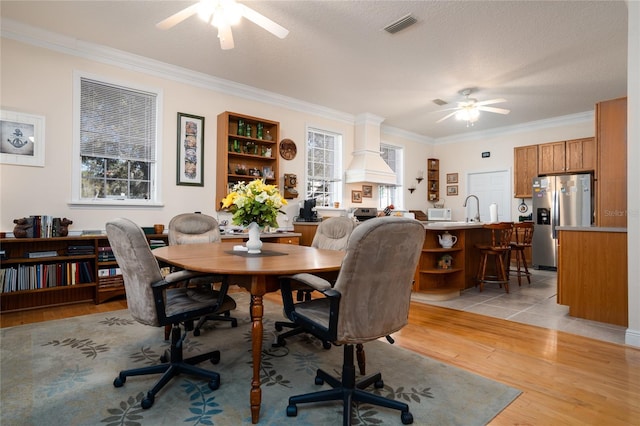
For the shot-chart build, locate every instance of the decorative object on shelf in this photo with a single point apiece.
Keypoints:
(255, 172)
(447, 240)
(452, 190)
(419, 176)
(241, 169)
(268, 136)
(445, 262)
(22, 227)
(452, 178)
(288, 149)
(266, 152)
(255, 202)
(21, 139)
(356, 196)
(367, 191)
(190, 168)
(412, 188)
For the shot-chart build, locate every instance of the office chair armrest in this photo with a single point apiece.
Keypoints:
(313, 281)
(183, 275)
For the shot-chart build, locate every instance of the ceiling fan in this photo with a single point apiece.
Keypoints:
(222, 14)
(469, 109)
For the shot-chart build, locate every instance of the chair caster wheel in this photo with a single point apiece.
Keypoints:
(147, 402)
(278, 327)
(326, 345)
(214, 384)
(278, 343)
(319, 381)
(196, 332)
(165, 357)
(379, 384)
(215, 357)
(234, 323)
(292, 411)
(406, 418)
(119, 381)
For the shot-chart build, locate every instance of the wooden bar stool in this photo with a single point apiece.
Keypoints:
(522, 239)
(499, 248)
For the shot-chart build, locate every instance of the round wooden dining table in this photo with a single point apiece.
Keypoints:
(261, 272)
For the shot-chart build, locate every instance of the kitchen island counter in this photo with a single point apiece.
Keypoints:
(443, 272)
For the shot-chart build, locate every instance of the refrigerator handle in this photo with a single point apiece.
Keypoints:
(555, 214)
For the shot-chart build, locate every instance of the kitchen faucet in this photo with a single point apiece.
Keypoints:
(477, 217)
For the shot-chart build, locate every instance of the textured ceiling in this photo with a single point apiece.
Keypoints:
(546, 58)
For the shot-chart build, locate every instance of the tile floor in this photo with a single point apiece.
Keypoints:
(533, 304)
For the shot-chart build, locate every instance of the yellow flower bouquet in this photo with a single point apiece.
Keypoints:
(254, 202)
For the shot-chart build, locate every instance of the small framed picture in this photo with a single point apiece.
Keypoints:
(367, 191)
(190, 167)
(452, 190)
(267, 172)
(21, 139)
(452, 178)
(356, 196)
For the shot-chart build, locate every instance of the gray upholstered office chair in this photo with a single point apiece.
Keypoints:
(192, 228)
(331, 234)
(370, 299)
(157, 301)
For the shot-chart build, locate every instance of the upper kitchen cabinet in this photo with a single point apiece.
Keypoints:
(433, 179)
(578, 155)
(525, 160)
(247, 149)
(611, 175)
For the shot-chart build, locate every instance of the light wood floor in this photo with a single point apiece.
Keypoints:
(565, 379)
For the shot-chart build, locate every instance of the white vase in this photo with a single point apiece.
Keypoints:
(254, 244)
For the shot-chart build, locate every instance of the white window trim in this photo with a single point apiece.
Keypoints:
(76, 200)
(399, 173)
(339, 164)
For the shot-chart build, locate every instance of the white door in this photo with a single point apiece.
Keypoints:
(490, 187)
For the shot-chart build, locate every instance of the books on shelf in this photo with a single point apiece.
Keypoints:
(79, 250)
(45, 275)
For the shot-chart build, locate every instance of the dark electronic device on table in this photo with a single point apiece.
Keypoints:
(308, 213)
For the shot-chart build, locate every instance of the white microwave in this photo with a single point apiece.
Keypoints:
(438, 214)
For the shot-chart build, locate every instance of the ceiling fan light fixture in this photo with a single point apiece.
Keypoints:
(470, 114)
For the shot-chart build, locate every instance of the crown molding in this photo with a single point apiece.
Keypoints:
(11, 29)
(565, 120)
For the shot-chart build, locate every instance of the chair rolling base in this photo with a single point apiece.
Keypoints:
(295, 330)
(349, 391)
(225, 317)
(175, 366)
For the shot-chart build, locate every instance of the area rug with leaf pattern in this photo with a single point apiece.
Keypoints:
(61, 373)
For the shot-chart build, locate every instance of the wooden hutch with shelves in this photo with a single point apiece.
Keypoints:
(433, 179)
(247, 149)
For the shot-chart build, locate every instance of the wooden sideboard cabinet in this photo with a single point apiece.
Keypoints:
(525, 160)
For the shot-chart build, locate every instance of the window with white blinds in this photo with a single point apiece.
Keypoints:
(391, 195)
(117, 142)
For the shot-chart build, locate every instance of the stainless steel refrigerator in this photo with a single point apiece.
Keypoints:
(565, 200)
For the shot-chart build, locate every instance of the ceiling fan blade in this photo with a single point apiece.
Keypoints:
(491, 101)
(451, 114)
(264, 22)
(226, 37)
(493, 109)
(176, 18)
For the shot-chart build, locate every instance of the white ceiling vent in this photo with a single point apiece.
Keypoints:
(400, 24)
(439, 102)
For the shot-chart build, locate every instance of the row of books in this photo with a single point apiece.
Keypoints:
(46, 275)
(105, 254)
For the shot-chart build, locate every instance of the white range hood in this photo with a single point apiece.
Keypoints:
(367, 165)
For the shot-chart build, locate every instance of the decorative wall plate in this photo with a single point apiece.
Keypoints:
(288, 149)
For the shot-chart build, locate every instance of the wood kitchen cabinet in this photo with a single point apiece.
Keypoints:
(573, 156)
(611, 174)
(525, 160)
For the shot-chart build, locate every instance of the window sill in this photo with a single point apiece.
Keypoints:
(115, 204)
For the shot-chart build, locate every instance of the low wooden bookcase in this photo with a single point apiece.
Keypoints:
(71, 275)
